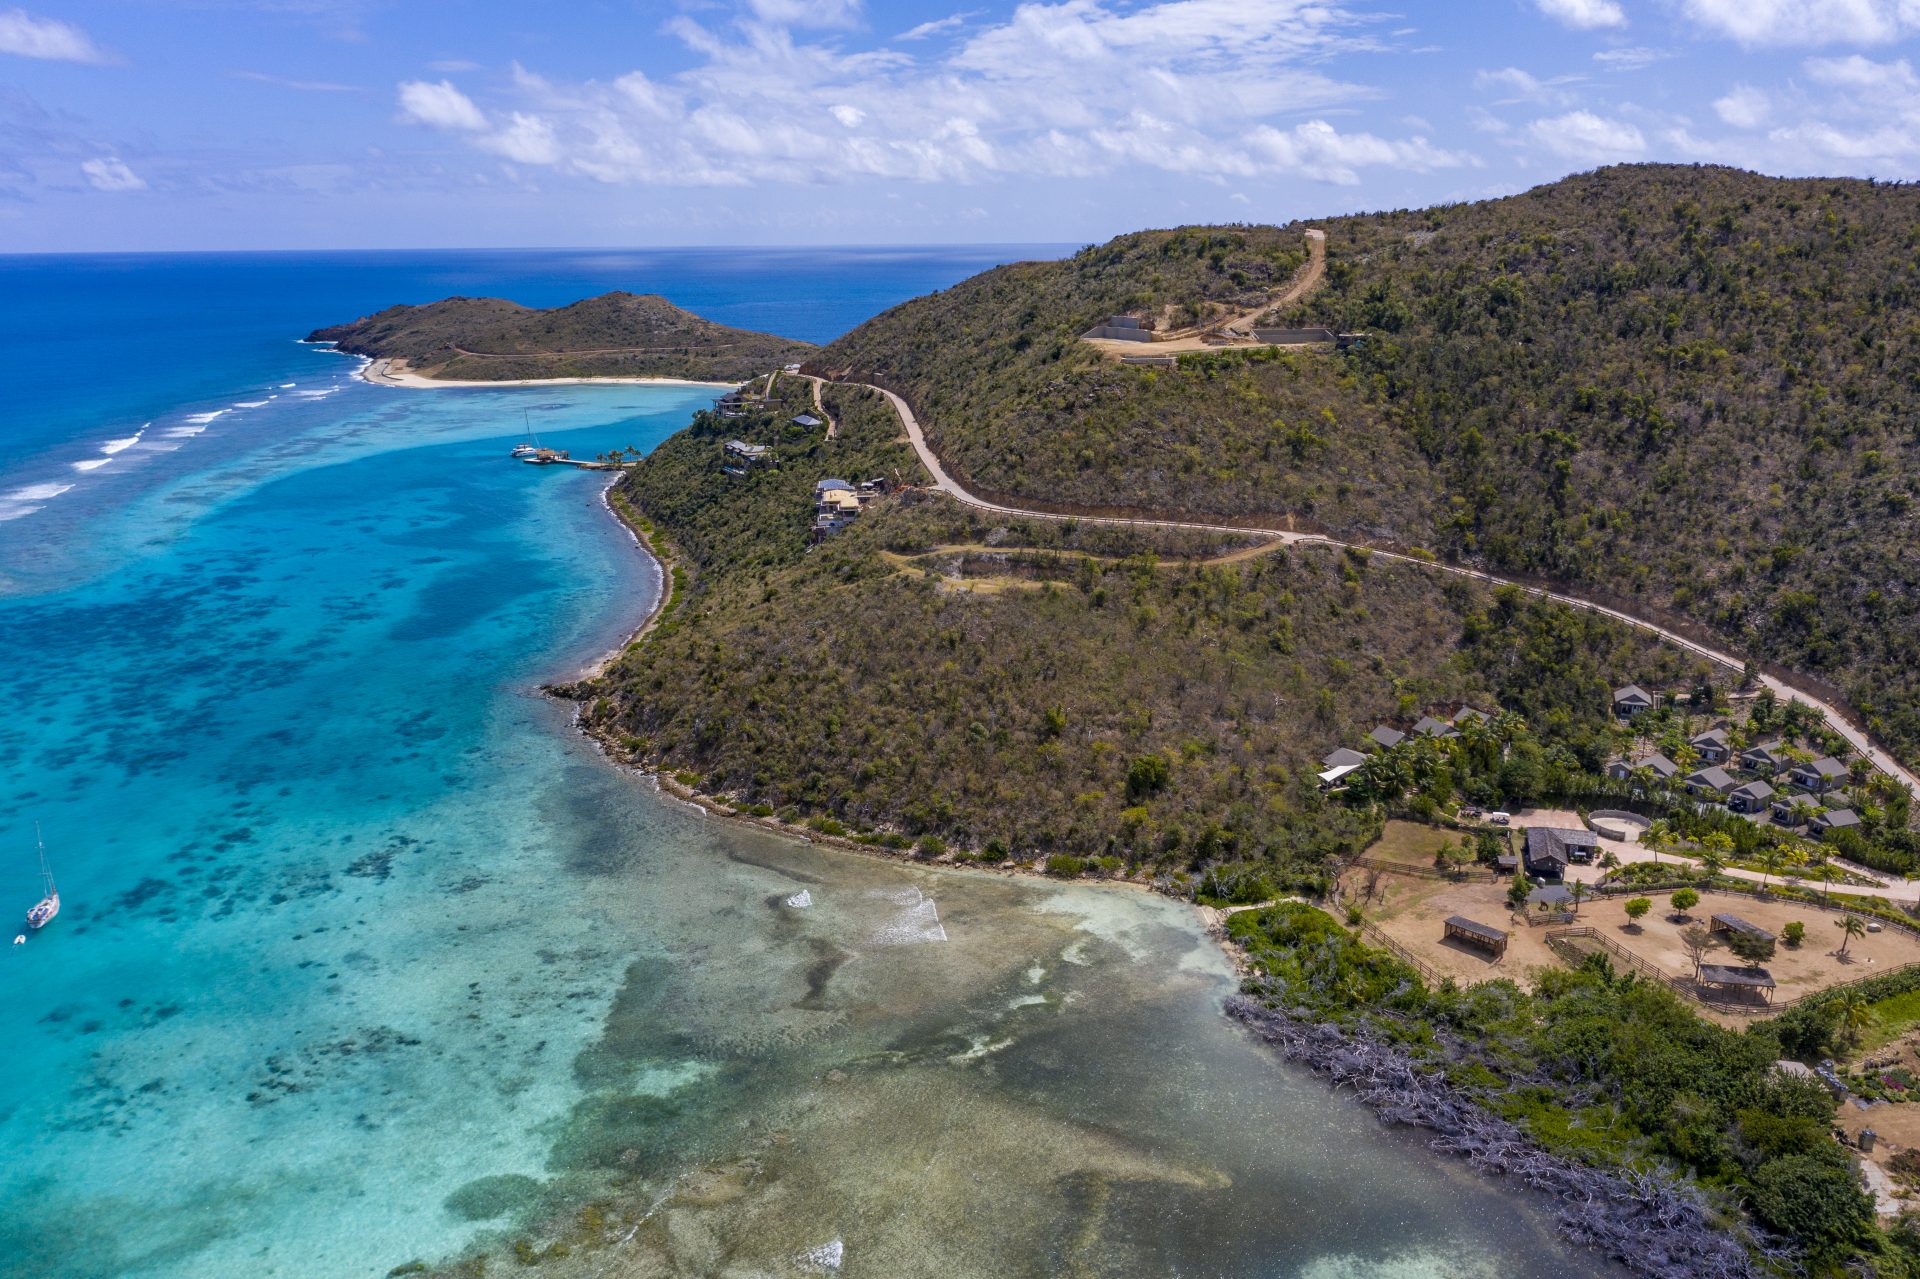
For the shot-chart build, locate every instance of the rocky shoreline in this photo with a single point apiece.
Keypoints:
(1651, 1222)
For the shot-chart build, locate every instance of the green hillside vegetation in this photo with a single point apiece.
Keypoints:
(613, 335)
(1061, 691)
(1695, 387)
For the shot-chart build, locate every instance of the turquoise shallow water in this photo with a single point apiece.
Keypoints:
(366, 957)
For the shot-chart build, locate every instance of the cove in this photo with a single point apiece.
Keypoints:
(367, 957)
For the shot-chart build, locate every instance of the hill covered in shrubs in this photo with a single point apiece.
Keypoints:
(1695, 388)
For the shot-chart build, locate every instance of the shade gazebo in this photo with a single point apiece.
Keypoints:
(1730, 977)
(1724, 923)
(1485, 936)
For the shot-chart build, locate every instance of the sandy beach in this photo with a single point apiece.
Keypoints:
(394, 372)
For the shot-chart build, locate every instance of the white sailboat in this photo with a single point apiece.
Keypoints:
(42, 912)
(529, 446)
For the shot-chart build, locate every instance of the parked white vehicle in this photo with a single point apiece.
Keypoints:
(1500, 819)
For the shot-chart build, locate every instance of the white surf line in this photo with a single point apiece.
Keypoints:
(22, 502)
(110, 449)
(122, 445)
(1854, 736)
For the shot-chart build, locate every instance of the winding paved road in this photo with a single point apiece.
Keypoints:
(1855, 736)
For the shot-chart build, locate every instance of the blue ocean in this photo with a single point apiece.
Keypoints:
(367, 959)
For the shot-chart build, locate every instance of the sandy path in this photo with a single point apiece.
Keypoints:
(1190, 339)
(1855, 736)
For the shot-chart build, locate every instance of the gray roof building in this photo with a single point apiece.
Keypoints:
(1662, 768)
(1821, 774)
(1834, 819)
(1345, 755)
(1550, 850)
(1631, 700)
(1387, 738)
(1711, 744)
(1715, 779)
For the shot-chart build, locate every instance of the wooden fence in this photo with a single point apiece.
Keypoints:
(1563, 943)
(1464, 875)
(1375, 937)
(1759, 894)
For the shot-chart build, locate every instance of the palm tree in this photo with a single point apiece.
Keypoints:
(1850, 927)
(1657, 836)
(1712, 863)
(1579, 891)
(1856, 1015)
(1769, 865)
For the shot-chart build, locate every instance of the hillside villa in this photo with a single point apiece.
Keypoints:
(1631, 701)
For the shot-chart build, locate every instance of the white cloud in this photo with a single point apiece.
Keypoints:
(1209, 88)
(303, 86)
(807, 13)
(527, 139)
(1744, 107)
(109, 173)
(1318, 150)
(1630, 59)
(1806, 22)
(1584, 15)
(31, 37)
(1588, 138)
(1868, 122)
(1521, 86)
(1883, 80)
(439, 105)
(938, 26)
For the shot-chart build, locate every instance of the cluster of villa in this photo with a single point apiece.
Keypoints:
(837, 503)
(1385, 737)
(737, 457)
(1761, 782)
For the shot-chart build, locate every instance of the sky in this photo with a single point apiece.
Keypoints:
(302, 124)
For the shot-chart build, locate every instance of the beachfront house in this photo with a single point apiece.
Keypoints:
(1822, 774)
(1631, 701)
(1712, 746)
(1767, 758)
